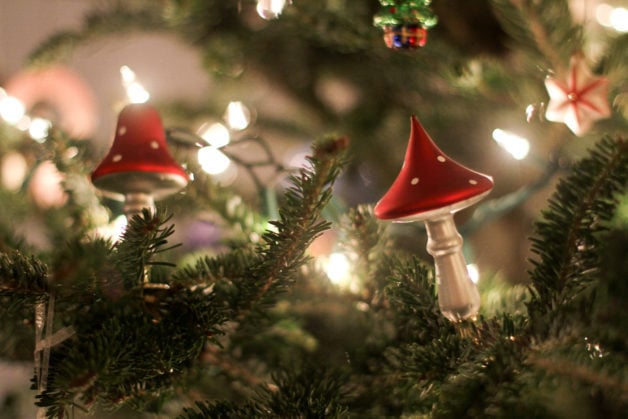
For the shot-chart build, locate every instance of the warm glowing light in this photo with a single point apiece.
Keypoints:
(270, 9)
(212, 160)
(216, 135)
(11, 109)
(238, 116)
(134, 90)
(517, 146)
(474, 272)
(38, 129)
(338, 269)
(13, 172)
(114, 230)
(612, 17)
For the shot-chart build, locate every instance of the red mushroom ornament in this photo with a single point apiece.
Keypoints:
(431, 187)
(139, 168)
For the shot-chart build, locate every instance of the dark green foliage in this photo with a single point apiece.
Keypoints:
(543, 28)
(309, 392)
(22, 274)
(256, 329)
(566, 271)
(136, 339)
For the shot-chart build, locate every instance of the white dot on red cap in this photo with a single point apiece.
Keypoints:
(154, 145)
(116, 158)
(122, 130)
(414, 181)
(441, 159)
(473, 181)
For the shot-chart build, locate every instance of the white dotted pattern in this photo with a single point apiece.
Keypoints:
(116, 158)
(122, 130)
(473, 181)
(414, 181)
(154, 145)
(441, 159)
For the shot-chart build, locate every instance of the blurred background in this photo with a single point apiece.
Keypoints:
(337, 77)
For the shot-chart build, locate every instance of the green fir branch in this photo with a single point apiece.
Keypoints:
(544, 28)
(21, 274)
(119, 19)
(145, 236)
(567, 238)
(283, 252)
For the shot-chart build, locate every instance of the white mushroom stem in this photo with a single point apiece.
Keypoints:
(134, 202)
(458, 296)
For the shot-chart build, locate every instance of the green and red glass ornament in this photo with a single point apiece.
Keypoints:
(405, 22)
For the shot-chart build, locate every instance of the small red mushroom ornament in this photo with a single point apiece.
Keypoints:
(139, 168)
(431, 187)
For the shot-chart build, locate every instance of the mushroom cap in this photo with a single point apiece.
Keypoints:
(430, 183)
(139, 160)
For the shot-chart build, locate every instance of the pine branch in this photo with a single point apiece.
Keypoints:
(567, 238)
(543, 27)
(144, 237)
(283, 252)
(119, 19)
(20, 274)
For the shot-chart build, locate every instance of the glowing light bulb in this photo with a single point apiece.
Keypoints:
(212, 160)
(338, 269)
(38, 129)
(114, 230)
(270, 9)
(238, 116)
(134, 90)
(612, 17)
(517, 146)
(216, 135)
(14, 169)
(11, 109)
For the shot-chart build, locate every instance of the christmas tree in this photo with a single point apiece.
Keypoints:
(265, 284)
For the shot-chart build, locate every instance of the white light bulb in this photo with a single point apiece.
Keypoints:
(38, 129)
(212, 160)
(270, 9)
(237, 116)
(11, 109)
(216, 135)
(619, 19)
(128, 75)
(134, 90)
(517, 146)
(338, 269)
(14, 169)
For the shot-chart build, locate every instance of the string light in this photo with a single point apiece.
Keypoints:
(338, 269)
(212, 160)
(517, 146)
(216, 135)
(38, 129)
(238, 116)
(612, 17)
(270, 9)
(13, 112)
(134, 90)
(114, 230)
(12, 109)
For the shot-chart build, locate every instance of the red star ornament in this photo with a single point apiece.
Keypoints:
(578, 101)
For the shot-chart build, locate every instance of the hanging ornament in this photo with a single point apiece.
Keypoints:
(431, 187)
(579, 99)
(405, 22)
(270, 9)
(139, 168)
